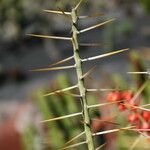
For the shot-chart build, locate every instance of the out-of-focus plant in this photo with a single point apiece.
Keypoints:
(146, 4)
(133, 104)
(28, 138)
(54, 106)
(17, 17)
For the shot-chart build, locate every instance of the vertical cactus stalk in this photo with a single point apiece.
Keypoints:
(80, 76)
(82, 89)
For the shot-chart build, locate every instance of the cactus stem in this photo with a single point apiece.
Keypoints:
(81, 85)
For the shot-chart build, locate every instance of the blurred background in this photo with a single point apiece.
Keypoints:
(22, 105)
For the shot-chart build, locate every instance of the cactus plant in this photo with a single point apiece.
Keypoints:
(78, 66)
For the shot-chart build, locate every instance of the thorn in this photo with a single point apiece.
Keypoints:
(76, 137)
(57, 12)
(71, 94)
(112, 131)
(100, 90)
(60, 91)
(142, 108)
(51, 69)
(74, 145)
(146, 105)
(104, 55)
(62, 61)
(135, 142)
(62, 117)
(109, 122)
(78, 4)
(137, 72)
(65, 14)
(88, 73)
(96, 26)
(101, 146)
(50, 37)
(142, 130)
(89, 44)
(85, 123)
(146, 72)
(103, 104)
(144, 134)
(139, 91)
(91, 16)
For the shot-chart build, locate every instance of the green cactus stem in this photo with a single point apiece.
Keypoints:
(82, 89)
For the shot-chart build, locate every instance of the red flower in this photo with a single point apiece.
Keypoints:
(126, 95)
(113, 96)
(146, 115)
(133, 117)
(145, 125)
(121, 107)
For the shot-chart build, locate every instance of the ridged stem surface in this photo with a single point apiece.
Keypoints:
(82, 89)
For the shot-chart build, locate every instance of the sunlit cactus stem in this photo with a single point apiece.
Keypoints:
(82, 89)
